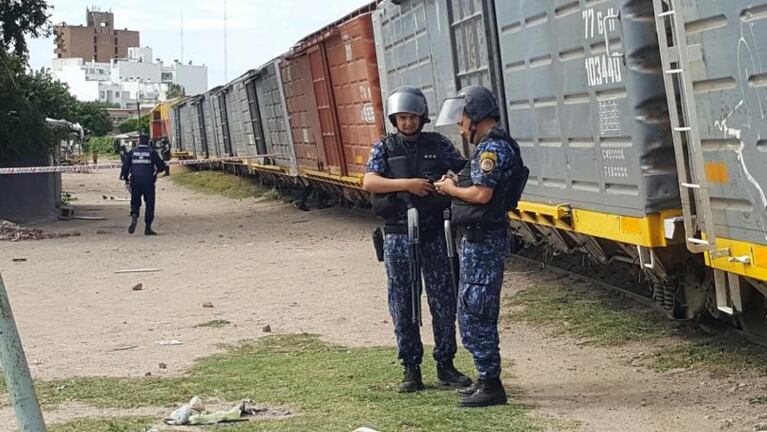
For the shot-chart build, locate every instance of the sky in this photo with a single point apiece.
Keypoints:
(257, 30)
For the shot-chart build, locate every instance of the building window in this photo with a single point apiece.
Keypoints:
(101, 94)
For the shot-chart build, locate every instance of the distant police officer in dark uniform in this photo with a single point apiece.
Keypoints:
(166, 154)
(427, 157)
(487, 188)
(140, 170)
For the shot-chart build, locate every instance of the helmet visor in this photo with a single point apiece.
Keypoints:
(452, 112)
(405, 103)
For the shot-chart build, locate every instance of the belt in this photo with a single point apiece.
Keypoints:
(479, 230)
(395, 229)
(402, 229)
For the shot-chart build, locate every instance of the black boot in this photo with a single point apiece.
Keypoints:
(148, 230)
(489, 392)
(412, 381)
(133, 222)
(449, 376)
(466, 391)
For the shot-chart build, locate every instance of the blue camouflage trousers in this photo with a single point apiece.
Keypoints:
(479, 298)
(439, 293)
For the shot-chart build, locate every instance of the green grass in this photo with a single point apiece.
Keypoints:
(605, 319)
(138, 424)
(723, 355)
(217, 323)
(215, 182)
(596, 316)
(332, 388)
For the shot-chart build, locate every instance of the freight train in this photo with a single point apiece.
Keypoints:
(642, 122)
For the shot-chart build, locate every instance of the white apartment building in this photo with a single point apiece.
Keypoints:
(126, 82)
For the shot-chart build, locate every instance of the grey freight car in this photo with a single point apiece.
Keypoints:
(715, 58)
(273, 115)
(586, 102)
(198, 127)
(240, 122)
(184, 114)
(213, 129)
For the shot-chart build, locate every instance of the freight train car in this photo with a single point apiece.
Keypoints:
(642, 122)
(267, 103)
(334, 102)
(209, 125)
(160, 120)
(715, 62)
(235, 105)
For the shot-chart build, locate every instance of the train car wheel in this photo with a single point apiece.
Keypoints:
(753, 319)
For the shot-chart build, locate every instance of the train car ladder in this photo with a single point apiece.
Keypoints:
(693, 185)
(699, 226)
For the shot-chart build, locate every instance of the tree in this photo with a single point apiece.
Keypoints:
(175, 90)
(94, 117)
(23, 135)
(135, 125)
(53, 97)
(21, 18)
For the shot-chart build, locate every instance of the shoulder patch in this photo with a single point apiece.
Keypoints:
(487, 161)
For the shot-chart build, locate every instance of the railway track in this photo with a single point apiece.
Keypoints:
(706, 324)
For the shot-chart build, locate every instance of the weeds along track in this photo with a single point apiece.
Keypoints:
(619, 278)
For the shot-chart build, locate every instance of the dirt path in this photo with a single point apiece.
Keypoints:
(266, 263)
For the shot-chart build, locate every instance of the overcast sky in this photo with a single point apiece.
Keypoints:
(257, 30)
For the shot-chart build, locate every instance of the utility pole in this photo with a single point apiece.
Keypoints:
(182, 33)
(18, 380)
(226, 57)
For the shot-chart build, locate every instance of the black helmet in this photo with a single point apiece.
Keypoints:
(408, 100)
(477, 102)
(143, 139)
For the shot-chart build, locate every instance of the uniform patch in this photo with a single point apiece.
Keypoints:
(487, 161)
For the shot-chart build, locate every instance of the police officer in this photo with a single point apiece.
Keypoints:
(139, 171)
(428, 157)
(486, 188)
(166, 154)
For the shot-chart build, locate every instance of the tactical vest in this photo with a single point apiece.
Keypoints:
(142, 165)
(419, 159)
(505, 196)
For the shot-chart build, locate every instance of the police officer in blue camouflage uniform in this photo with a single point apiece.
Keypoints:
(427, 157)
(139, 170)
(485, 190)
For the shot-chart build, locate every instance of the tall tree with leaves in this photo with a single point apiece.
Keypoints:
(94, 117)
(19, 19)
(175, 90)
(22, 130)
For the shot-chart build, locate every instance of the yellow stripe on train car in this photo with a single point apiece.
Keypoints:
(746, 259)
(352, 181)
(645, 231)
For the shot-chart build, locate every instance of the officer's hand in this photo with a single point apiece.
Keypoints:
(420, 187)
(445, 185)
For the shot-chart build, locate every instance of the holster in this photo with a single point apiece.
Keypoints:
(378, 243)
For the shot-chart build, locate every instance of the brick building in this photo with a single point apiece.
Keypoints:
(98, 41)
